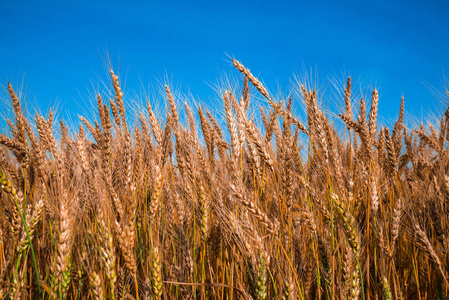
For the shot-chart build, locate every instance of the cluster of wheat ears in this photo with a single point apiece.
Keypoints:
(189, 211)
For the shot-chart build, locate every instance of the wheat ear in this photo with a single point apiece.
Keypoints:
(252, 208)
(156, 273)
(257, 84)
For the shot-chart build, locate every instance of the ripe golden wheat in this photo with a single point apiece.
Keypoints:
(160, 211)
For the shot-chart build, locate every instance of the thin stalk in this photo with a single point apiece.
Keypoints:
(31, 245)
(291, 266)
(361, 276)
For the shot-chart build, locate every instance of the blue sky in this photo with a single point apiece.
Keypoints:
(59, 48)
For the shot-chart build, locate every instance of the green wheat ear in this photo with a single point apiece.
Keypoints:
(156, 273)
(7, 187)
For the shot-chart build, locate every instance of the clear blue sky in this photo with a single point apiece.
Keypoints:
(59, 47)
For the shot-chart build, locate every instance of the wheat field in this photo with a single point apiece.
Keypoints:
(209, 209)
